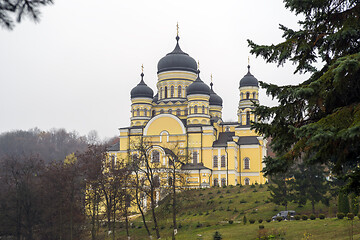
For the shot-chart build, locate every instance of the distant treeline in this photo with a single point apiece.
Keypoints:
(52, 145)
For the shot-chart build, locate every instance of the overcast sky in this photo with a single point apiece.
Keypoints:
(76, 67)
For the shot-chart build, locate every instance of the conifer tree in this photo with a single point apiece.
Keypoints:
(343, 203)
(318, 120)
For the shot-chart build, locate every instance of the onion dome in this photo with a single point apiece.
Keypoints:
(214, 98)
(156, 97)
(198, 87)
(142, 90)
(249, 80)
(177, 60)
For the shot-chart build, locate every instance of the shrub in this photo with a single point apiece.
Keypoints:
(221, 196)
(252, 186)
(242, 201)
(198, 225)
(235, 210)
(350, 216)
(279, 218)
(209, 193)
(228, 209)
(231, 221)
(230, 201)
(261, 227)
(256, 201)
(217, 236)
(195, 214)
(244, 220)
(297, 217)
(268, 220)
(304, 217)
(224, 186)
(162, 227)
(340, 215)
(218, 192)
(254, 190)
(312, 217)
(260, 186)
(228, 191)
(321, 216)
(200, 213)
(179, 225)
(251, 221)
(260, 220)
(266, 201)
(207, 213)
(200, 194)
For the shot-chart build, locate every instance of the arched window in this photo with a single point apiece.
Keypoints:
(155, 156)
(248, 118)
(160, 95)
(254, 95)
(145, 112)
(178, 112)
(246, 163)
(156, 181)
(138, 112)
(186, 112)
(195, 109)
(227, 129)
(153, 113)
(223, 182)
(216, 182)
(172, 91)
(165, 93)
(195, 157)
(247, 181)
(133, 112)
(170, 111)
(223, 161)
(203, 109)
(247, 95)
(162, 111)
(179, 91)
(241, 96)
(215, 161)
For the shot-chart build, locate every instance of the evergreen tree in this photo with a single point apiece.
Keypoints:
(343, 203)
(310, 185)
(319, 119)
(354, 204)
(281, 190)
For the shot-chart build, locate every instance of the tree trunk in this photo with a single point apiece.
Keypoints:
(126, 221)
(313, 206)
(153, 205)
(174, 200)
(139, 205)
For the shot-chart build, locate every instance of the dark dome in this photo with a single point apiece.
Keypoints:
(198, 87)
(214, 98)
(177, 60)
(249, 80)
(142, 90)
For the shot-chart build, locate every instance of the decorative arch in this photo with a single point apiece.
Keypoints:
(246, 181)
(164, 115)
(166, 92)
(247, 95)
(254, 95)
(172, 91)
(179, 91)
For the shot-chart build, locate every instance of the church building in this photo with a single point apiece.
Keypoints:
(185, 112)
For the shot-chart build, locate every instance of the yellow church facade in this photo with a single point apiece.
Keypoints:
(185, 113)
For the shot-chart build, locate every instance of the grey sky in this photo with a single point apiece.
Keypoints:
(76, 67)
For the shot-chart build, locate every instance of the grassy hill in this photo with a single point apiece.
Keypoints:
(201, 212)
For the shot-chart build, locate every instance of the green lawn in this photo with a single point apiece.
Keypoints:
(202, 212)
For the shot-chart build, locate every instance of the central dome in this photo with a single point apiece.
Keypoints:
(177, 60)
(198, 87)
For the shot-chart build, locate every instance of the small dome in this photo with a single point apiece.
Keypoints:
(177, 60)
(214, 98)
(142, 90)
(249, 80)
(198, 87)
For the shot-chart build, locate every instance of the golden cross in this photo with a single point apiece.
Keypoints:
(142, 68)
(248, 60)
(211, 77)
(198, 64)
(177, 29)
